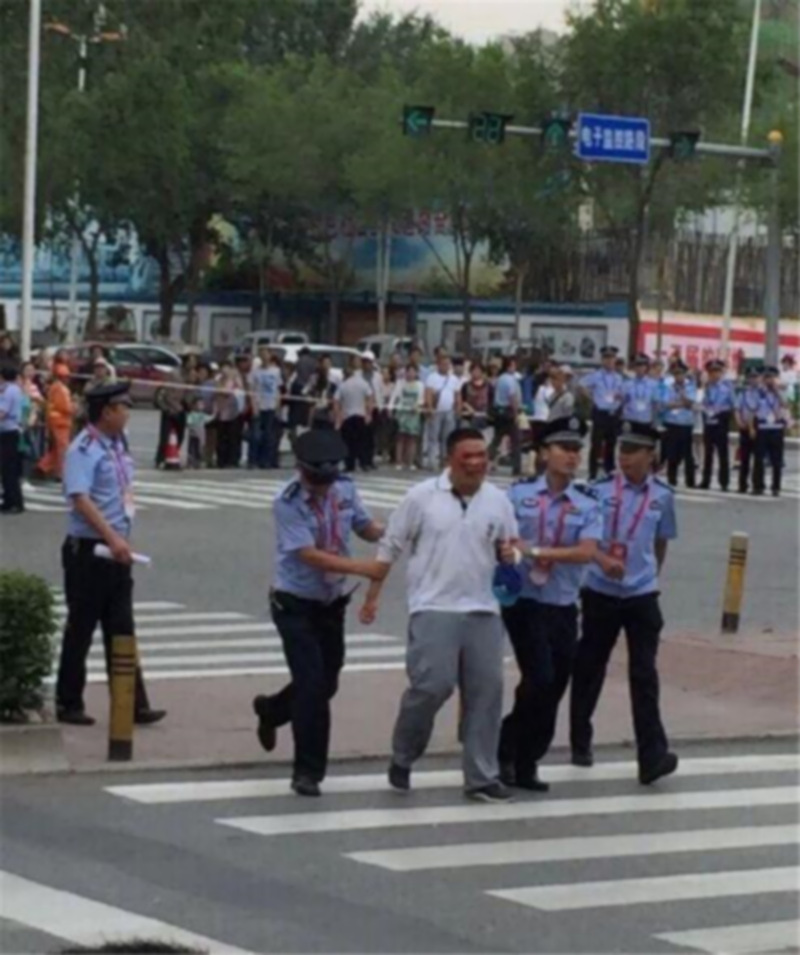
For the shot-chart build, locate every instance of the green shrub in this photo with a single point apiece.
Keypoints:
(27, 629)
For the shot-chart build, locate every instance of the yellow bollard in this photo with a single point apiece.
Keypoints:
(123, 691)
(734, 585)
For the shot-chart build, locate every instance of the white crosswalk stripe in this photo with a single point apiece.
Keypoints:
(666, 846)
(183, 492)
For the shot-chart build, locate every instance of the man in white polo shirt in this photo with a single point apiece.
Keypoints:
(455, 527)
(443, 407)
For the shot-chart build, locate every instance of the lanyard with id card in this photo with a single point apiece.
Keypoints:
(328, 538)
(124, 482)
(539, 573)
(618, 549)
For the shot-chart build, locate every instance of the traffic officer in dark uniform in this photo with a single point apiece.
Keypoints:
(719, 402)
(621, 592)
(604, 387)
(772, 419)
(98, 484)
(560, 525)
(315, 514)
(747, 404)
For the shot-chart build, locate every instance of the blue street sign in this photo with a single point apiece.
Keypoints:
(613, 138)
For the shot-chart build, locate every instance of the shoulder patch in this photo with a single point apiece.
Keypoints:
(344, 478)
(586, 489)
(662, 483)
(525, 480)
(291, 491)
(604, 480)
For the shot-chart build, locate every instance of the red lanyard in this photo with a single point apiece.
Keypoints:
(544, 499)
(331, 539)
(637, 517)
(117, 458)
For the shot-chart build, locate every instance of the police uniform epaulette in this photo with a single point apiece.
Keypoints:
(86, 441)
(291, 490)
(662, 483)
(606, 479)
(586, 489)
(525, 480)
(344, 477)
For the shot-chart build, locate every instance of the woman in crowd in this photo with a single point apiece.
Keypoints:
(322, 390)
(227, 413)
(206, 390)
(385, 422)
(33, 435)
(406, 403)
(476, 398)
(59, 418)
(169, 401)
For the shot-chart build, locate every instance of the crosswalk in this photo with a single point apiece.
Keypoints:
(186, 492)
(673, 859)
(178, 643)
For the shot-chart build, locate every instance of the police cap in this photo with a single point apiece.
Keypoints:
(320, 446)
(641, 359)
(715, 365)
(113, 393)
(679, 366)
(771, 372)
(609, 351)
(638, 433)
(565, 431)
(754, 373)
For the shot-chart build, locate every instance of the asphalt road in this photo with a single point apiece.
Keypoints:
(705, 861)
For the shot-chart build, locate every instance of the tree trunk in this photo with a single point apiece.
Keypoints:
(519, 285)
(166, 293)
(94, 293)
(467, 300)
(633, 287)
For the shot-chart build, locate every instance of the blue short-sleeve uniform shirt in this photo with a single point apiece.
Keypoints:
(640, 400)
(605, 389)
(101, 468)
(11, 406)
(718, 398)
(674, 392)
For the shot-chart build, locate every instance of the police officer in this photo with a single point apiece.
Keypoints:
(771, 420)
(680, 398)
(315, 514)
(559, 525)
(621, 592)
(98, 484)
(719, 401)
(640, 394)
(747, 404)
(605, 387)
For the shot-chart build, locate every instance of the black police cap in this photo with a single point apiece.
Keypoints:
(641, 359)
(638, 433)
(609, 351)
(715, 365)
(771, 370)
(320, 446)
(680, 366)
(113, 393)
(570, 430)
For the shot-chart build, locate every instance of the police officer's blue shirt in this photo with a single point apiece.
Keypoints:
(675, 392)
(748, 402)
(718, 398)
(303, 520)
(11, 406)
(101, 468)
(507, 390)
(575, 513)
(769, 414)
(640, 400)
(657, 523)
(605, 389)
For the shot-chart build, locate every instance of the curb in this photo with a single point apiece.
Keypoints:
(32, 750)
(186, 765)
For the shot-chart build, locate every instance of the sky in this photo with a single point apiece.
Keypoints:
(479, 20)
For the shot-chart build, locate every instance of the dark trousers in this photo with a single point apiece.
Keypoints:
(268, 438)
(715, 440)
(677, 450)
(11, 470)
(603, 618)
(169, 422)
(505, 423)
(97, 591)
(605, 428)
(312, 634)
(544, 639)
(355, 435)
(747, 449)
(769, 444)
(228, 443)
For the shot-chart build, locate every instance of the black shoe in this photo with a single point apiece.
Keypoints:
(758, 493)
(508, 774)
(531, 782)
(724, 490)
(494, 793)
(582, 757)
(266, 732)
(399, 778)
(74, 717)
(304, 786)
(12, 510)
(149, 717)
(776, 493)
(742, 490)
(664, 767)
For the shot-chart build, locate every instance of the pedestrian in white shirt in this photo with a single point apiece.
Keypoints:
(455, 526)
(443, 406)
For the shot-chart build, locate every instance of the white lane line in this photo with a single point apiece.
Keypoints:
(477, 854)
(754, 939)
(140, 605)
(89, 923)
(190, 616)
(43, 508)
(213, 498)
(152, 663)
(251, 643)
(181, 674)
(439, 779)
(671, 888)
(203, 630)
(167, 502)
(358, 819)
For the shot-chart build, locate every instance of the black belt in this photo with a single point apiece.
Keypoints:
(288, 601)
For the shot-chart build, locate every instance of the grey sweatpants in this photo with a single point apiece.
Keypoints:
(446, 650)
(437, 430)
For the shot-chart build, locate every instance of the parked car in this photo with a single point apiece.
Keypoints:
(250, 343)
(340, 356)
(382, 346)
(147, 367)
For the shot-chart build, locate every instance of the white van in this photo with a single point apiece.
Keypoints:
(383, 346)
(340, 356)
(250, 343)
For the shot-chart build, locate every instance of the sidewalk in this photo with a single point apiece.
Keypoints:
(712, 686)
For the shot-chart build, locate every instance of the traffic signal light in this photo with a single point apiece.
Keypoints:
(488, 127)
(417, 120)
(555, 133)
(683, 145)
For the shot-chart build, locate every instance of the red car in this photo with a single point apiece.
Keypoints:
(146, 366)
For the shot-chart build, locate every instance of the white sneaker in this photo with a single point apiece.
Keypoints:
(413, 467)
(398, 467)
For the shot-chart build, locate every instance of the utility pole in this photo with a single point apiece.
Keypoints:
(772, 298)
(29, 213)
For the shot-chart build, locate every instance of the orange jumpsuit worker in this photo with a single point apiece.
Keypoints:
(60, 413)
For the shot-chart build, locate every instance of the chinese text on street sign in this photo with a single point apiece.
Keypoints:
(613, 138)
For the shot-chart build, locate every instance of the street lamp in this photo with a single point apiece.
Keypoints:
(83, 40)
(29, 201)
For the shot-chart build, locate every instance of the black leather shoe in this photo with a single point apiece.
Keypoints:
(582, 757)
(304, 786)
(664, 767)
(508, 774)
(399, 778)
(266, 732)
(75, 717)
(531, 782)
(149, 717)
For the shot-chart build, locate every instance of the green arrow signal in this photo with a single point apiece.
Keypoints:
(417, 120)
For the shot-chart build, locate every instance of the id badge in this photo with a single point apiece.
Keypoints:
(618, 550)
(539, 574)
(640, 405)
(129, 505)
(771, 419)
(610, 399)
